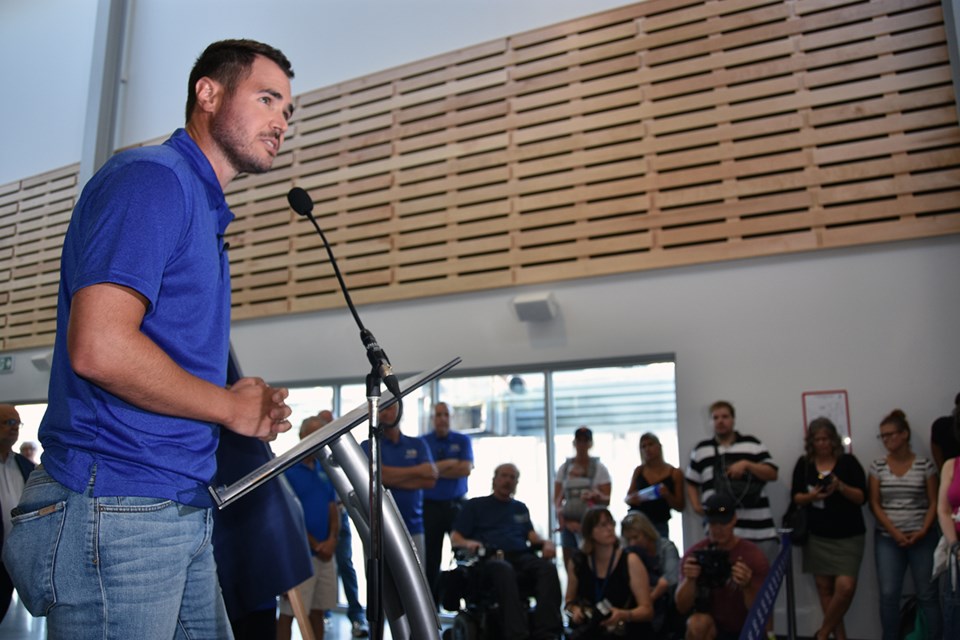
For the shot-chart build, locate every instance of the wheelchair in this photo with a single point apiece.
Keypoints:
(466, 592)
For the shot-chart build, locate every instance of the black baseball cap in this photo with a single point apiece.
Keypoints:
(719, 509)
(583, 433)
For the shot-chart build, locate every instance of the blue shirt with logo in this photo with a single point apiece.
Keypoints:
(498, 524)
(316, 494)
(457, 446)
(407, 452)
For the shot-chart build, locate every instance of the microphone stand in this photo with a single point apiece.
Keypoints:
(381, 371)
(375, 564)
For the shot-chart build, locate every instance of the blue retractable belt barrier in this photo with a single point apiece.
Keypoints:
(755, 627)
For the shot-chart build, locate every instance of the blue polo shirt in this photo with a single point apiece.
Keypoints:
(316, 493)
(407, 452)
(457, 446)
(498, 524)
(152, 219)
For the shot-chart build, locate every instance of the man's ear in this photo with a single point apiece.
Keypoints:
(209, 94)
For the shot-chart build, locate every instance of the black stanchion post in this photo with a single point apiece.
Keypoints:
(791, 596)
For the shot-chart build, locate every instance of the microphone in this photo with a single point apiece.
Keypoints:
(302, 203)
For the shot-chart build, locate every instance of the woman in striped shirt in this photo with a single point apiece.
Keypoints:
(903, 498)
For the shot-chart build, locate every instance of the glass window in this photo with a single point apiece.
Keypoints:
(30, 416)
(619, 404)
(304, 402)
(504, 415)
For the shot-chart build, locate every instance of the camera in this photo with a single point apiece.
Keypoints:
(824, 480)
(714, 566)
(594, 615)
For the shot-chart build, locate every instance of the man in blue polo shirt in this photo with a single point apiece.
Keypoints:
(407, 470)
(137, 383)
(499, 522)
(453, 455)
(322, 519)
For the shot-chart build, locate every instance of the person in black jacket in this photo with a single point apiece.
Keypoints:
(831, 485)
(15, 469)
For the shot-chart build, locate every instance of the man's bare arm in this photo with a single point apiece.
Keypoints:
(107, 347)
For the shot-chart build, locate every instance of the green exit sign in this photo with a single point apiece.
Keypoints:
(6, 364)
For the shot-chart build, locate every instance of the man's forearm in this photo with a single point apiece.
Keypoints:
(451, 468)
(764, 471)
(107, 348)
(421, 476)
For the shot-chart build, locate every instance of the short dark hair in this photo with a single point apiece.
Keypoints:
(723, 404)
(228, 62)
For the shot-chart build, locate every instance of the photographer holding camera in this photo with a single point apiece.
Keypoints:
(720, 576)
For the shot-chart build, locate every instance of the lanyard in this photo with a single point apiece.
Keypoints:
(601, 585)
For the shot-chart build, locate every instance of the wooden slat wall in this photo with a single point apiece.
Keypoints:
(33, 218)
(665, 133)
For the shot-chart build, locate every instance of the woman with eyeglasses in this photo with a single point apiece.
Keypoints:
(608, 590)
(832, 486)
(903, 497)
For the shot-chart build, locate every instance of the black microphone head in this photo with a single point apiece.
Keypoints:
(301, 201)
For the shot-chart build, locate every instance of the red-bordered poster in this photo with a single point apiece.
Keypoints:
(833, 405)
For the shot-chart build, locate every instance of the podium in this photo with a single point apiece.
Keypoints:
(407, 598)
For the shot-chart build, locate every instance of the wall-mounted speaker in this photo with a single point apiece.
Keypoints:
(535, 307)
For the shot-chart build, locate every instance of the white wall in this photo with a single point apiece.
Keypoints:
(878, 321)
(48, 45)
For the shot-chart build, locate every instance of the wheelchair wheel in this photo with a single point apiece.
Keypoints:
(465, 627)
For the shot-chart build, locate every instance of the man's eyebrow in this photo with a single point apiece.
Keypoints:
(288, 111)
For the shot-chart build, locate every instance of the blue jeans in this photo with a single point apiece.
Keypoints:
(950, 603)
(892, 562)
(114, 568)
(348, 576)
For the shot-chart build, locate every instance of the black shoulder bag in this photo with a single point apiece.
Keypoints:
(796, 518)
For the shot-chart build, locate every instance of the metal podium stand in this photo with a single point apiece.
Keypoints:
(407, 599)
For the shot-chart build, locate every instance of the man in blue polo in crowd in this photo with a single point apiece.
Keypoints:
(322, 519)
(453, 455)
(499, 522)
(407, 469)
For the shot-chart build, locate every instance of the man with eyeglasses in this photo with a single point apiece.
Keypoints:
(15, 469)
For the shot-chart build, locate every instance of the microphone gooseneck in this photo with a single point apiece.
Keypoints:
(301, 202)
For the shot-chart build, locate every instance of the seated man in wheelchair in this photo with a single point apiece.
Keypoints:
(501, 526)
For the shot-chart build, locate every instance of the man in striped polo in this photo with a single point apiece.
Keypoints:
(738, 465)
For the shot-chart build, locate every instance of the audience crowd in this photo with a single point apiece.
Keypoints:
(635, 583)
